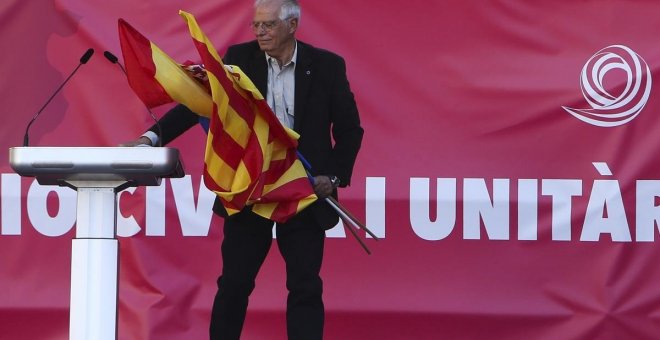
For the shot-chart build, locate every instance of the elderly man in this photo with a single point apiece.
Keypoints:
(308, 90)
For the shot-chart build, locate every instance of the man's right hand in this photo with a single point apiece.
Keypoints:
(140, 141)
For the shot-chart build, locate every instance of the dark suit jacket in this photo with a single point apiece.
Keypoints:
(326, 116)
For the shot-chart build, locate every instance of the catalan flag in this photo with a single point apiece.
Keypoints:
(156, 78)
(250, 157)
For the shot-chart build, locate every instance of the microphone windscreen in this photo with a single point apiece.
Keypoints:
(113, 59)
(85, 58)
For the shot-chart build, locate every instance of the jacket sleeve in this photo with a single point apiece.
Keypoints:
(174, 123)
(346, 130)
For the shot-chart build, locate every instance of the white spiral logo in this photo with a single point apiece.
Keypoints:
(608, 110)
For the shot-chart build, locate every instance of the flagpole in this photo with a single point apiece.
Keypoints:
(348, 226)
(343, 213)
(340, 209)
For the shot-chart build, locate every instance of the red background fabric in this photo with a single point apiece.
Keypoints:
(461, 99)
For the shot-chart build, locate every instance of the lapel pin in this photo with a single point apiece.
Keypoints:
(309, 72)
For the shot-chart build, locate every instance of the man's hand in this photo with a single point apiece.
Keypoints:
(323, 186)
(140, 141)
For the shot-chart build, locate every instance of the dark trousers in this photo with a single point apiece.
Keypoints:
(247, 239)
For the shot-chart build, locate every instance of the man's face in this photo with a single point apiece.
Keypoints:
(271, 32)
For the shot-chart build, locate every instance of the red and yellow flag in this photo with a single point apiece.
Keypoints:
(250, 157)
(156, 78)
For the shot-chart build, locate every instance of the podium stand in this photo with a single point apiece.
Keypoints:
(97, 174)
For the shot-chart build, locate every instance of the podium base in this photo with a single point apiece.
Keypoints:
(94, 289)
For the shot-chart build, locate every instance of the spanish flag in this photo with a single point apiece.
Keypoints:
(156, 78)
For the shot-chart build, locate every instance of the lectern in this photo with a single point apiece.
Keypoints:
(97, 174)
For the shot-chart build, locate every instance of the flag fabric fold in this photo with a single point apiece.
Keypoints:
(250, 158)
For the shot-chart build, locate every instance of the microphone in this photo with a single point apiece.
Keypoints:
(113, 59)
(88, 54)
(83, 60)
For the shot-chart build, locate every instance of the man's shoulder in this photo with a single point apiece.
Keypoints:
(305, 50)
(246, 47)
(319, 53)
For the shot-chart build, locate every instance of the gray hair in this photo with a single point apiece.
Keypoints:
(290, 8)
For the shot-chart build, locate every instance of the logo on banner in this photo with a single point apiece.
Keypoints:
(616, 83)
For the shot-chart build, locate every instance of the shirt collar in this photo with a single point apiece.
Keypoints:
(293, 58)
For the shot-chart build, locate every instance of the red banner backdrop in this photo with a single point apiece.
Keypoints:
(509, 165)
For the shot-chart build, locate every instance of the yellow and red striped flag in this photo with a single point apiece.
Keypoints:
(156, 78)
(250, 157)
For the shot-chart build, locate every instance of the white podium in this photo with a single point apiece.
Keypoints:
(97, 174)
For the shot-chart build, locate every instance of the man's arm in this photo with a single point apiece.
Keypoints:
(174, 123)
(346, 130)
